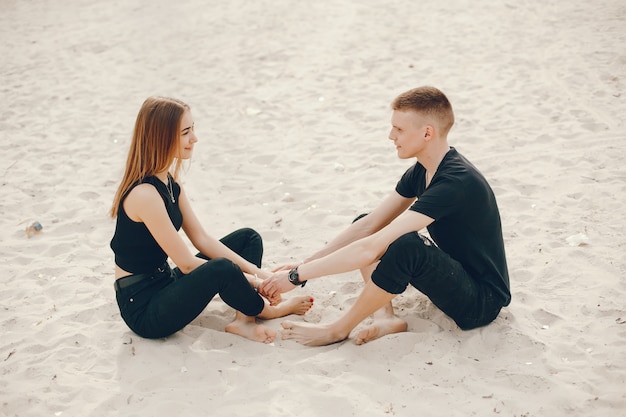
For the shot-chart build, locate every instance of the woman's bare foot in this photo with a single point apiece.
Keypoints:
(311, 335)
(295, 305)
(247, 327)
(381, 327)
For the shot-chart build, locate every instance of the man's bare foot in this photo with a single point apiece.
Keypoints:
(248, 328)
(311, 335)
(381, 327)
(295, 305)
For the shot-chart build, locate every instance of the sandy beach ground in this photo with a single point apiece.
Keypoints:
(291, 104)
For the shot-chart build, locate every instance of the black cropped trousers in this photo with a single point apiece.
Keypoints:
(166, 300)
(416, 260)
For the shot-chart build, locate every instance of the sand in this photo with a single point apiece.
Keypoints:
(291, 103)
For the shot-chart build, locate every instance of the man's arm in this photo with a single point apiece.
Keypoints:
(366, 251)
(356, 255)
(390, 208)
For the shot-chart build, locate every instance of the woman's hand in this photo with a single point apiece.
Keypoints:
(262, 274)
(256, 282)
(287, 267)
(274, 301)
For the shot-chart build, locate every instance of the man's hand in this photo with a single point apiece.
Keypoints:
(276, 285)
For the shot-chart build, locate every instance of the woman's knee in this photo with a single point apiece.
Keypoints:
(250, 233)
(220, 266)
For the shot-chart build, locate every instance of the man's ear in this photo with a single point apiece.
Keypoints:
(429, 132)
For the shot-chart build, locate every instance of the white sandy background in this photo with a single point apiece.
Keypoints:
(291, 103)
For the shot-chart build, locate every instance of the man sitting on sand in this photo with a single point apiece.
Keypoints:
(462, 269)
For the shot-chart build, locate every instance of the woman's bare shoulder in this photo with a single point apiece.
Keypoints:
(141, 198)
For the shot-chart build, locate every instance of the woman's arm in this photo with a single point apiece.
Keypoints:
(144, 204)
(210, 246)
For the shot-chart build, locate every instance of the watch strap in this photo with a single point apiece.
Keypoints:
(294, 277)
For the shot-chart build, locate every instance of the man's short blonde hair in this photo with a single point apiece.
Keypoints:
(430, 102)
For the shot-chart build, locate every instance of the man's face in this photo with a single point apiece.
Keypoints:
(407, 133)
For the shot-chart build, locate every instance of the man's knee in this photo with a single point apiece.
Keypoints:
(401, 263)
(397, 265)
(406, 246)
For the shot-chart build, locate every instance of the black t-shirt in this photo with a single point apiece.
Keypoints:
(135, 249)
(467, 222)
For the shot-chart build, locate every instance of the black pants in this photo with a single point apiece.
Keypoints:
(167, 301)
(414, 259)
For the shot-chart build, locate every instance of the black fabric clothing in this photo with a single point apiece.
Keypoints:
(463, 269)
(414, 259)
(161, 301)
(135, 249)
(467, 222)
(167, 301)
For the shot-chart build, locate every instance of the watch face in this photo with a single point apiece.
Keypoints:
(293, 277)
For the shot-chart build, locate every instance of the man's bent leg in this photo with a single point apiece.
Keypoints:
(414, 259)
(371, 299)
(385, 321)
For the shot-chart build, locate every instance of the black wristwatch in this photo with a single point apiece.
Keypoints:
(294, 277)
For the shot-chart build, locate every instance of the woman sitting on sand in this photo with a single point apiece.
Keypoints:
(156, 301)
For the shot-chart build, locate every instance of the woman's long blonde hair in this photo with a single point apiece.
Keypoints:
(155, 144)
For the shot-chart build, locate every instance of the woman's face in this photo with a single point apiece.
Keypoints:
(187, 135)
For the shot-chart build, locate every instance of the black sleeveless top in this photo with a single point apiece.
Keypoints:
(135, 249)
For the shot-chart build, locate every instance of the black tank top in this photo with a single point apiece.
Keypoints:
(135, 249)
